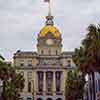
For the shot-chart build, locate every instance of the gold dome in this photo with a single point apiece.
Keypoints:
(49, 28)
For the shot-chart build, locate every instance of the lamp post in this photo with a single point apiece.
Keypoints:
(1, 89)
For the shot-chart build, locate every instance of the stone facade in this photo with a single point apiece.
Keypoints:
(45, 70)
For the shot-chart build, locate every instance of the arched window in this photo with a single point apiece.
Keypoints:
(49, 98)
(39, 98)
(29, 98)
(59, 99)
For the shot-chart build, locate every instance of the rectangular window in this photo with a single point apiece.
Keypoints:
(49, 52)
(21, 64)
(29, 86)
(56, 52)
(42, 52)
(49, 81)
(29, 62)
(29, 75)
(40, 81)
(58, 80)
(68, 63)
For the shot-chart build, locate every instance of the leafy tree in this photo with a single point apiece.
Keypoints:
(74, 85)
(87, 57)
(12, 82)
(13, 87)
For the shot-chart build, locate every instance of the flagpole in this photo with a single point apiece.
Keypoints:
(49, 8)
(49, 18)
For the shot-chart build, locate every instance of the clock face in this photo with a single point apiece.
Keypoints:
(49, 41)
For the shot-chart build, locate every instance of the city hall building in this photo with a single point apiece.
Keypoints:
(45, 70)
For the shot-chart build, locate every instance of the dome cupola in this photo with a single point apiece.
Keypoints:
(49, 38)
(49, 28)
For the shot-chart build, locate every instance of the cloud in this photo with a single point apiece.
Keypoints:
(21, 21)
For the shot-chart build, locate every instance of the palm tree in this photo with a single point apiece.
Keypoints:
(87, 57)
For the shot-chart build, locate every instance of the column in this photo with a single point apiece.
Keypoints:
(35, 82)
(44, 83)
(62, 84)
(54, 83)
(61, 78)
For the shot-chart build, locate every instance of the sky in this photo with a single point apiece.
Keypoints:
(21, 21)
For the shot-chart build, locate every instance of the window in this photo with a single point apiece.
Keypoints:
(21, 64)
(40, 81)
(68, 63)
(29, 62)
(49, 81)
(42, 52)
(29, 86)
(56, 52)
(49, 99)
(29, 75)
(49, 52)
(29, 98)
(39, 99)
(58, 81)
(59, 99)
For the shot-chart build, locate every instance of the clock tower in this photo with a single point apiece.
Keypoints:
(49, 39)
(44, 70)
